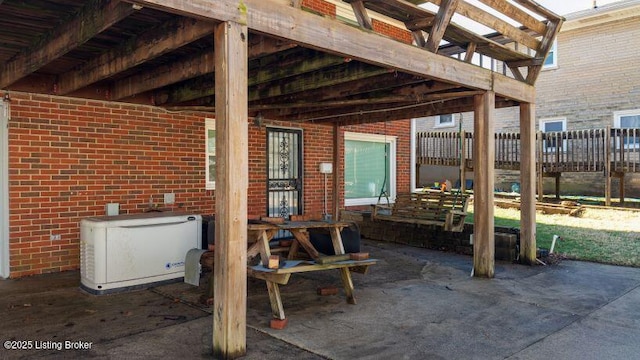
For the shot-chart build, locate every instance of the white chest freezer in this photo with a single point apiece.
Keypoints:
(124, 251)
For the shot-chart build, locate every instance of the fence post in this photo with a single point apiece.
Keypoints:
(607, 166)
(540, 166)
(463, 161)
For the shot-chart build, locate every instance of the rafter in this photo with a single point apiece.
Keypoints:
(362, 85)
(471, 49)
(276, 81)
(277, 18)
(440, 23)
(188, 68)
(361, 14)
(151, 44)
(516, 14)
(547, 42)
(436, 107)
(355, 106)
(95, 16)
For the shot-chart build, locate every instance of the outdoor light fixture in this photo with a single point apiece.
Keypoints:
(257, 121)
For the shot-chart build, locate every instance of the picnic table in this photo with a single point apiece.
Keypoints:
(316, 261)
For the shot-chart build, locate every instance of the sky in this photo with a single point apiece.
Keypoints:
(563, 7)
(560, 7)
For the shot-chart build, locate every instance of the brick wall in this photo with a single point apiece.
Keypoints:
(69, 157)
(320, 6)
(392, 31)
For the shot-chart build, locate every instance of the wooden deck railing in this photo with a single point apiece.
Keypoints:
(565, 151)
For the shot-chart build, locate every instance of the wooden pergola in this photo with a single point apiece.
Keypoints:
(272, 58)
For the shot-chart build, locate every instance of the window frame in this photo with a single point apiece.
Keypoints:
(552, 52)
(543, 122)
(438, 122)
(210, 124)
(616, 124)
(392, 141)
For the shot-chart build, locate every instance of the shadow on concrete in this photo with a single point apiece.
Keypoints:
(414, 304)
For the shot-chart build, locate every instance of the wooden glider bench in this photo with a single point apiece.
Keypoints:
(431, 207)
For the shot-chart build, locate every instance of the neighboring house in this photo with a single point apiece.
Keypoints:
(69, 157)
(591, 80)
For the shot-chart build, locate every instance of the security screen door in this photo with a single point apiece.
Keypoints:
(284, 173)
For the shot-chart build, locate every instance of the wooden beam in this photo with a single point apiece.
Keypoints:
(483, 185)
(528, 62)
(418, 37)
(188, 68)
(95, 16)
(337, 173)
(427, 109)
(232, 158)
(517, 14)
(158, 41)
(335, 103)
(547, 43)
(471, 49)
(263, 89)
(540, 166)
(364, 106)
(516, 72)
(528, 183)
(539, 9)
(440, 23)
(362, 85)
(361, 14)
(277, 18)
(375, 113)
(164, 75)
(607, 166)
(495, 23)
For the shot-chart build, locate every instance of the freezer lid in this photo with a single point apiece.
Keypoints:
(140, 219)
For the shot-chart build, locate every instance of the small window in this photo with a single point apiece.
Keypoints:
(552, 129)
(629, 119)
(551, 61)
(210, 136)
(445, 121)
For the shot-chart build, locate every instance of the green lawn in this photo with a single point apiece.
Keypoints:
(606, 236)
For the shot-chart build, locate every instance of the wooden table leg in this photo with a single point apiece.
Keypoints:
(274, 290)
(303, 239)
(293, 249)
(345, 274)
(277, 309)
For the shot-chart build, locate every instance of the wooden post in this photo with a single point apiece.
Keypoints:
(232, 137)
(607, 167)
(527, 183)
(337, 175)
(463, 161)
(557, 176)
(540, 165)
(621, 188)
(483, 157)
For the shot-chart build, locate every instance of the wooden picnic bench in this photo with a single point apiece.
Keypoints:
(430, 207)
(294, 264)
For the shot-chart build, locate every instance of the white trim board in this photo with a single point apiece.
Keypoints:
(4, 189)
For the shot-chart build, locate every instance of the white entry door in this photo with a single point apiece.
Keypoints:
(4, 190)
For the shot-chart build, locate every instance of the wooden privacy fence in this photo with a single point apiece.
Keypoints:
(613, 152)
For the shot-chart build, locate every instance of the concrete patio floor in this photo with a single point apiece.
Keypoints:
(414, 304)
